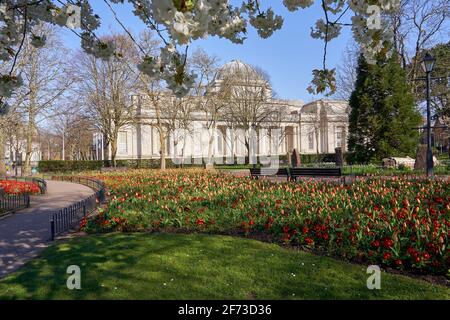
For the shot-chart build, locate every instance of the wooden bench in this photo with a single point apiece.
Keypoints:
(314, 172)
(267, 172)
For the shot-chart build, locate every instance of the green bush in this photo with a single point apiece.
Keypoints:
(68, 166)
(49, 166)
(150, 164)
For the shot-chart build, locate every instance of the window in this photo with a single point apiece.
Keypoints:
(339, 135)
(123, 143)
(338, 139)
(311, 140)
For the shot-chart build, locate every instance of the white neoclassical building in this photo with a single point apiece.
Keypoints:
(316, 127)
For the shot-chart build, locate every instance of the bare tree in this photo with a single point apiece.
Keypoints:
(179, 117)
(153, 98)
(248, 97)
(211, 98)
(79, 138)
(45, 78)
(170, 115)
(75, 132)
(418, 24)
(50, 144)
(106, 87)
(346, 72)
(4, 121)
(13, 129)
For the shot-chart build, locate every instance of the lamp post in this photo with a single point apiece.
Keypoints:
(253, 145)
(428, 65)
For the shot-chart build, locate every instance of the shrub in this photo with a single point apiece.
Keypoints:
(68, 166)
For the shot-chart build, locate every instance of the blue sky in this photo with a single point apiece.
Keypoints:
(288, 56)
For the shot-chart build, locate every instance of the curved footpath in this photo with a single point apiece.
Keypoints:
(24, 234)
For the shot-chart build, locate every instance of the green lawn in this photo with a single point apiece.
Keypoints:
(167, 266)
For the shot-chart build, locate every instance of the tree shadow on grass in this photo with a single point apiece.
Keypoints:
(195, 266)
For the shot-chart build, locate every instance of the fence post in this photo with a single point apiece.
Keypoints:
(84, 208)
(52, 228)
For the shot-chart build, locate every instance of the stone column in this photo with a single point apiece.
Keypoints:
(421, 157)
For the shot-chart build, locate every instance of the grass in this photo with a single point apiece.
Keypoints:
(170, 266)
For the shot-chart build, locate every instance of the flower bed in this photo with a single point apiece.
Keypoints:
(397, 222)
(18, 187)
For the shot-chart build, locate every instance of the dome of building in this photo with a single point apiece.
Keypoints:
(236, 67)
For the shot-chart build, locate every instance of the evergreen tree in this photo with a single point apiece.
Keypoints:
(383, 115)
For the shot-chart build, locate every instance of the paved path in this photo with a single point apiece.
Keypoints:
(24, 234)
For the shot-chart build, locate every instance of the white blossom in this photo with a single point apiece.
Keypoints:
(293, 5)
(182, 22)
(266, 23)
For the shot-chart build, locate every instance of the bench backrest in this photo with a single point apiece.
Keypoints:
(269, 172)
(325, 172)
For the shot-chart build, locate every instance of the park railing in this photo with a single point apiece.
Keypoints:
(65, 219)
(10, 203)
(41, 183)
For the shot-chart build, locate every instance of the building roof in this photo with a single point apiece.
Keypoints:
(237, 67)
(327, 106)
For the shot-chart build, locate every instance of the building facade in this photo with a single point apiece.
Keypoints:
(15, 152)
(311, 128)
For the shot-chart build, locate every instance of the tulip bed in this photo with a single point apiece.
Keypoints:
(18, 187)
(396, 222)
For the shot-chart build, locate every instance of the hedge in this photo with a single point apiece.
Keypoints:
(76, 166)
(68, 166)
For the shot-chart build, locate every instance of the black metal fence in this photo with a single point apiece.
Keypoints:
(41, 183)
(10, 203)
(67, 218)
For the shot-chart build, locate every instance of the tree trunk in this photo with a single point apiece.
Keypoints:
(232, 145)
(183, 152)
(27, 163)
(211, 145)
(113, 152)
(2, 155)
(175, 150)
(29, 143)
(247, 146)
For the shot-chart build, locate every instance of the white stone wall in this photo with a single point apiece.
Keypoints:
(10, 153)
(319, 121)
(312, 127)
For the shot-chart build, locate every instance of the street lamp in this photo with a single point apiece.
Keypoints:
(253, 146)
(428, 65)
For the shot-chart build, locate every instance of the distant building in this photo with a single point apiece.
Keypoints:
(316, 127)
(441, 134)
(15, 153)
